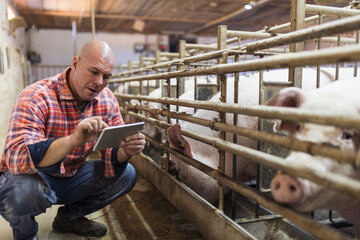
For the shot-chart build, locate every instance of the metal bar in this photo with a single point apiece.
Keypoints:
(201, 46)
(270, 112)
(221, 80)
(330, 11)
(317, 229)
(217, 224)
(322, 176)
(246, 34)
(343, 25)
(334, 181)
(258, 219)
(335, 39)
(169, 54)
(306, 58)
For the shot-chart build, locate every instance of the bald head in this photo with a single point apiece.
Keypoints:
(99, 48)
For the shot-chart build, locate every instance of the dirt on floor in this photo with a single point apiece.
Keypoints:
(145, 214)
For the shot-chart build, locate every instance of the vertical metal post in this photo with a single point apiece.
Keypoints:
(129, 75)
(297, 21)
(337, 64)
(318, 47)
(221, 41)
(181, 81)
(356, 63)
(157, 60)
(235, 122)
(141, 63)
(221, 44)
(74, 36)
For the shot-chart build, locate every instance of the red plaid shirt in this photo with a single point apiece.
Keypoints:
(47, 110)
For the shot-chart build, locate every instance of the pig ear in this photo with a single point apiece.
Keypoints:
(177, 141)
(288, 97)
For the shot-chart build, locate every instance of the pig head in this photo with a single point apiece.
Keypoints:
(343, 98)
(198, 181)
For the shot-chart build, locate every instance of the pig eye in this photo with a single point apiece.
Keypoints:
(347, 135)
(298, 127)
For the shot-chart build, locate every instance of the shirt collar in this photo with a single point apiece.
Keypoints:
(65, 92)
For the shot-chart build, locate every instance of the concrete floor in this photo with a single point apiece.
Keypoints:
(142, 214)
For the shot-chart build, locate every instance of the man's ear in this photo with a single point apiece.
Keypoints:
(75, 62)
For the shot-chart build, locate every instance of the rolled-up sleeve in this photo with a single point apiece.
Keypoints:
(26, 128)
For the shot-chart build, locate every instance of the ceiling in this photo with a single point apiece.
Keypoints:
(200, 17)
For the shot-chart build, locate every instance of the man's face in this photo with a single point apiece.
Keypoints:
(91, 75)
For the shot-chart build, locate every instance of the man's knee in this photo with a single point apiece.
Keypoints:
(124, 183)
(131, 172)
(24, 194)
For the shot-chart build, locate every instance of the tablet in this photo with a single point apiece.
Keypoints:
(112, 136)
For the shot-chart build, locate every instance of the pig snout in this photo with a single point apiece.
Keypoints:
(286, 189)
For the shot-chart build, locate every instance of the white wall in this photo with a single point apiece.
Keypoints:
(56, 46)
(13, 78)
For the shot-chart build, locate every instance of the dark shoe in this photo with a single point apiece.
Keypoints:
(79, 226)
(35, 238)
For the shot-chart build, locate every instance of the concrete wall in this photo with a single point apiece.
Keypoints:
(56, 46)
(12, 49)
(59, 48)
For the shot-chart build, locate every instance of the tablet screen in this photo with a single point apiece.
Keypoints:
(112, 136)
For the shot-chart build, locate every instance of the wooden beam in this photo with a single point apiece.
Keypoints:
(236, 1)
(110, 16)
(226, 17)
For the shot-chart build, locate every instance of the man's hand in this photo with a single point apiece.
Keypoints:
(132, 145)
(88, 130)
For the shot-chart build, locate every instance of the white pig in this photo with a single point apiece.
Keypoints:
(201, 183)
(341, 97)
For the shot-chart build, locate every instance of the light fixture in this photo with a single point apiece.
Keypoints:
(10, 12)
(14, 20)
(213, 4)
(139, 25)
(250, 5)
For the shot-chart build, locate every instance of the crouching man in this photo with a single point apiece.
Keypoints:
(52, 130)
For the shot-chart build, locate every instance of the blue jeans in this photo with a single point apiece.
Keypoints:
(22, 197)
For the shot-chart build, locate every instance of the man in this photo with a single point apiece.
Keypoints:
(53, 128)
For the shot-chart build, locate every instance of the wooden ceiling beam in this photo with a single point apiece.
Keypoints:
(236, 1)
(226, 17)
(110, 16)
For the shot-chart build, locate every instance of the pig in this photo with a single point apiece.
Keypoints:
(152, 130)
(341, 97)
(201, 183)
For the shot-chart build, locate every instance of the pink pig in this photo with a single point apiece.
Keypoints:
(342, 97)
(201, 183)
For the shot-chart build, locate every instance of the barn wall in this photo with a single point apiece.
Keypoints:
(12, 48)
(56, 46)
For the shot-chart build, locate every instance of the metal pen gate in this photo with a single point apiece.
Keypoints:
(238, 52)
